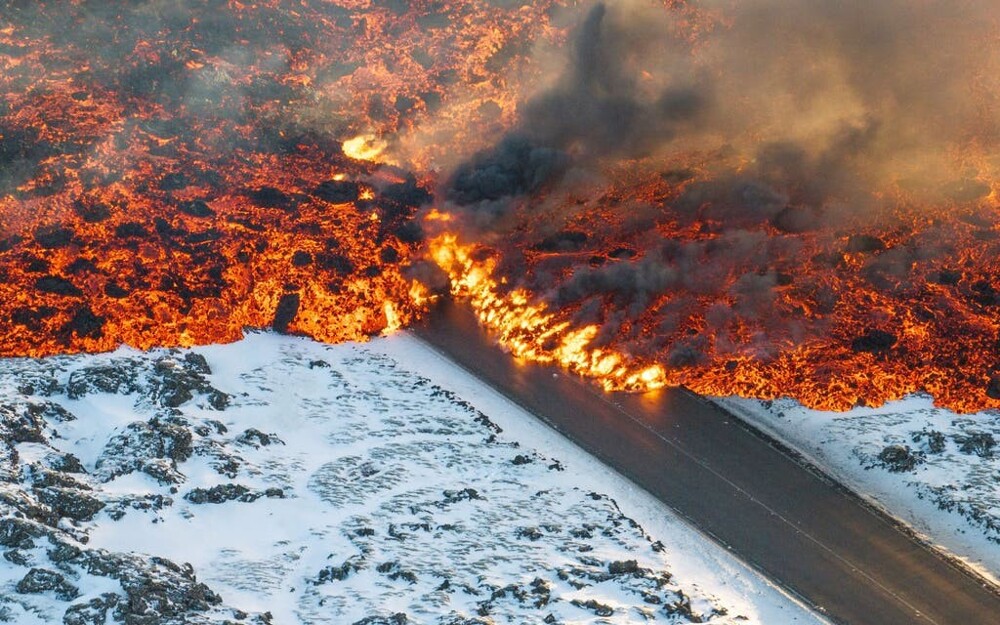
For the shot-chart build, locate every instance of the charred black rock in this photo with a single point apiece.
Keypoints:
(130, 229)
(93, 612)
(864, 243)
(565, 241)
(874, 342)
(84, 323)
(196, 208)
(993, 387)
(174, 181)
(270, 197)
(978, 443)
(43, 580)
(222, 493)
(57, 286)
(284, 314)
(53, 237)
(301, 259)
(338, 191)
(899, 458)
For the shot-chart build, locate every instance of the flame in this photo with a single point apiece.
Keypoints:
(366, 147)
(529, 330)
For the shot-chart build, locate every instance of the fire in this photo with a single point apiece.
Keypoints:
(366, 147)
(172, 177)
(531, 331)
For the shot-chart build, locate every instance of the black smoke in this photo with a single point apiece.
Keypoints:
(780, 122)
(598, 109)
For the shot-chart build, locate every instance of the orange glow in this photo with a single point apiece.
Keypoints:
(233, 165)
(532, 332)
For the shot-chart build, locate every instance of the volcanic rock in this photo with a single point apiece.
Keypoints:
(257, 439)
(84, 323)
(113, 378)
(130, 229)
(978, 443)
(338, 191)
(284, 314)
(196, 208)
(93, 612)
(44, 580)
(71, 503)
(565, 241)
(53, 238)
(140, 445)
(899, 458)
(864, 243)
(222, 493)
(270, 197)
(993, 387)
(874, 341)
(57, 286)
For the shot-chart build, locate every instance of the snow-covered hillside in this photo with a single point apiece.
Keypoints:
(937, 471)
(277, 480)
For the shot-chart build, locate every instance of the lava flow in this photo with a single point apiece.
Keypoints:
(172, 173)
(647, 193)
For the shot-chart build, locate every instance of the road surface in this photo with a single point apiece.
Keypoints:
(801, 530)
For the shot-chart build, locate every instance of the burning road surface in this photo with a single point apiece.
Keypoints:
(763, 198)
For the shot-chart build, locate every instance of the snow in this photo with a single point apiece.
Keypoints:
(406, 486)
(950, 497)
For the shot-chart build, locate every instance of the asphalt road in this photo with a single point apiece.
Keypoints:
(802, 531)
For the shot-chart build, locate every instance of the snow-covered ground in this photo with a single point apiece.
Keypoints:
(937, 471)
(277, 480)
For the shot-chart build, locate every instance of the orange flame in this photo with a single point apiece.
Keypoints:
(530, 331)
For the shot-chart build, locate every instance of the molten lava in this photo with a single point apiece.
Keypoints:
(171, 174)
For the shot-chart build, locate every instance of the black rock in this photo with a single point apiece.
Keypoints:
(899, 458)
(70, 502)
(115, 378)
(221, 494)
(623, 567)
(978, 443)
(57, 286)
(174, 182)
(270, 197)
(130, 229)
(864, 243)
(93, 612)
(301, 259)
(284, 314)
(338, 191)
(91, 212)
(53, 237)
(874, 341)
(565, 241)
(993, 387)
(196, 208)
(43, 580)
(20, 533)
(85, 323)
(255, 438)
(395, 619)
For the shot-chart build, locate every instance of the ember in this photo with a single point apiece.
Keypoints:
(647, 193)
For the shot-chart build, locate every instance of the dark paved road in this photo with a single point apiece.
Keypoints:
(803, 532)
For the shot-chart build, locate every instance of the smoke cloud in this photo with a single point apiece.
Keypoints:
(768, 121)
(804, 104)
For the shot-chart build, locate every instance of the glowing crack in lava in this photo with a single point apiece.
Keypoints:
(645, 193)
